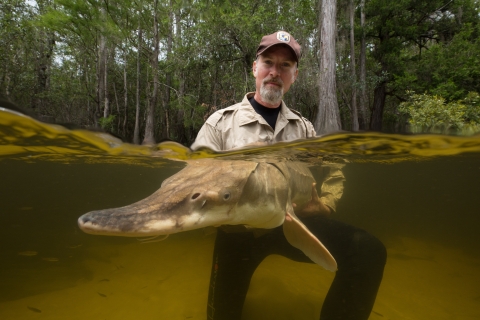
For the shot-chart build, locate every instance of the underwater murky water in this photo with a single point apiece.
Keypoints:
(418, 194)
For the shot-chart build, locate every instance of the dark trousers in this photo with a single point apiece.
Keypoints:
(360, 257)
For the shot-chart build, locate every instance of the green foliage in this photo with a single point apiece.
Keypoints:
(108, 123)
(410, 46)
(452, 69)
(432, 114)
(472, 113)
(426, 46)
(195, 117)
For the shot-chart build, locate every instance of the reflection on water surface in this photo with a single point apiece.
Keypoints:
(418, 194)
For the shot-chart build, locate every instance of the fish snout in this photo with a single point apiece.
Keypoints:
(87, 222)
(84, 219)
(110, 222)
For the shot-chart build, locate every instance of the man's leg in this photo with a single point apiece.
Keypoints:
(361, 259)
(235, 258)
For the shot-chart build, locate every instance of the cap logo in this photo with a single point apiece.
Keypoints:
(283, 36)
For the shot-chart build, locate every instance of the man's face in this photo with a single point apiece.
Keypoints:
(275, 70)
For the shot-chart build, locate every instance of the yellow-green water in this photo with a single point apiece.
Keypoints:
(418, 194)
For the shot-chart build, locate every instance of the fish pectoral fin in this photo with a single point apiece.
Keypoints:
(300, 237)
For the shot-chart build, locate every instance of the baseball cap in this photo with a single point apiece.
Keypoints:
(280, 37)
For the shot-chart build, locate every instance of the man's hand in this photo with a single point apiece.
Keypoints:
(314, 207)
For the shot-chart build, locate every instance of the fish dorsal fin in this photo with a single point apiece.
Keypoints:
(300, 237)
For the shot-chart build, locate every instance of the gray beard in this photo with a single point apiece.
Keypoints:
(271, 96)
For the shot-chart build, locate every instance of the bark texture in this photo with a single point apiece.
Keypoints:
(378, 105)
(362, 119)
(328, 115)
(149, 126)
(136, 132)
(355, 126)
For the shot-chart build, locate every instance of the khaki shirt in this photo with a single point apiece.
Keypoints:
(240, 125)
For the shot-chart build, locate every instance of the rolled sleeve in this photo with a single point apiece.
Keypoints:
(332, 186)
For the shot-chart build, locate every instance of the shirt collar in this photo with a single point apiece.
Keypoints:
(249, 115)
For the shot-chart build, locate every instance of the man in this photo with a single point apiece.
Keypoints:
(263, 117)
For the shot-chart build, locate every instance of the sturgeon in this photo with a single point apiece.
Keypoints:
(211, 192)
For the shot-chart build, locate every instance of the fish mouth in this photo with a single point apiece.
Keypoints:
(132, 225)
(126, 222)
(93, 223)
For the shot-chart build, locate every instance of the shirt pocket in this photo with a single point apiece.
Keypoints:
(247, 134)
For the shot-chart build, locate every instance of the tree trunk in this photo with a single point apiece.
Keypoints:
(100, 79)
(45, 50)
(106, 111)
(118, 107)
(352, 67)
(328, 115)
(168, 76)
(102, 72)
(363, 72)
(150, 123)
(378, 105)
(45, 45)
(180, 127)
(380, 91)
(136, 131)
(125, 89)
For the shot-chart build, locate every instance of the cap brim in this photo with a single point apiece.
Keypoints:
(276, 44)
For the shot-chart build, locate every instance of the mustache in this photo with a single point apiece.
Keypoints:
(273, 80)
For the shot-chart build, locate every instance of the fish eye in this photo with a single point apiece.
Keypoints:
(226, 195)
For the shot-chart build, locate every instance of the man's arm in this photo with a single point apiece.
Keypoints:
(331, 192)
(332, 186)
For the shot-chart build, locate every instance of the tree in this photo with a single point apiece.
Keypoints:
(328, 117)
(149, 137)
(399, 32)
(351, 15)
(192, 58)
(363, 73)
(136, 133)
(17, 51)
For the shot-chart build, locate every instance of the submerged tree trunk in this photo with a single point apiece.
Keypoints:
(355, 126)
(150, 123)
(328, 115)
